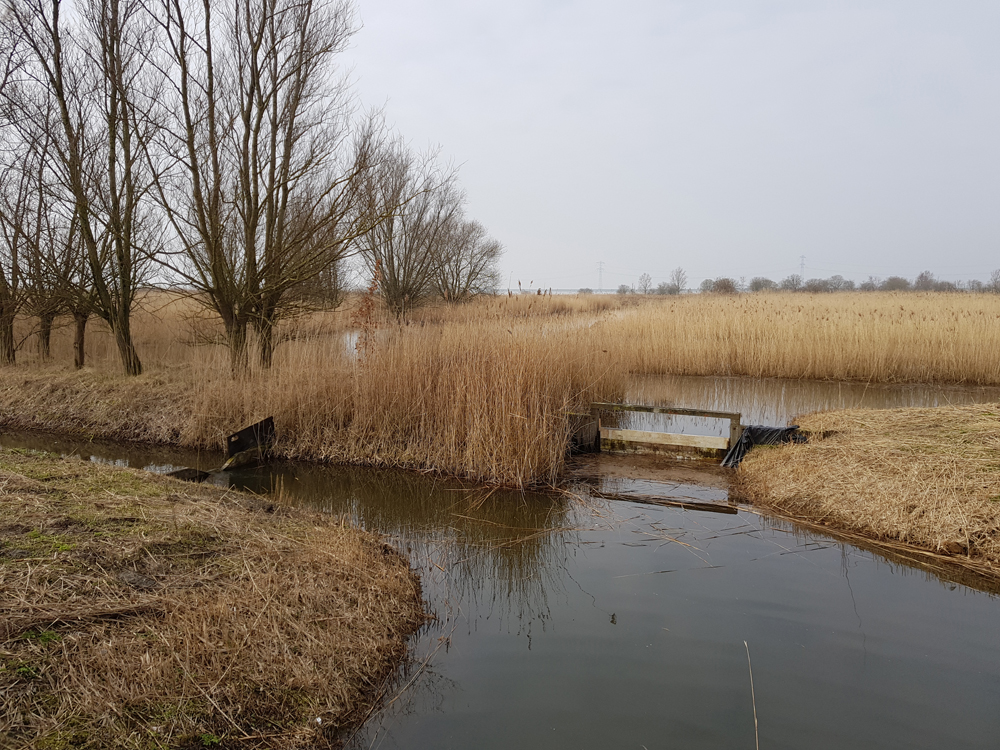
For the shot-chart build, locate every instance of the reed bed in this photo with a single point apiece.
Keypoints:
(490, 399)
(485, 390)
(872, 337)
(142, 612)
(489, 403)
(925, 478)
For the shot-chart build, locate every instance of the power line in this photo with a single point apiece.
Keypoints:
(600, 275)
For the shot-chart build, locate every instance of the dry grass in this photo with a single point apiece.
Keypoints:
(484, 390)
(925, 478)
(142, 612)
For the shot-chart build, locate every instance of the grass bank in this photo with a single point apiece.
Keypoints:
(924, 480)
(138, 611)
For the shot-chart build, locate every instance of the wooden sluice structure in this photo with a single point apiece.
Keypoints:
(597, 436)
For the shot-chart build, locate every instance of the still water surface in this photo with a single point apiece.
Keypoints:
(777, 402)
(577, 622)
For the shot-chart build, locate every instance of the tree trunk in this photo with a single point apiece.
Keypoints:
(126, 349)
(45, 333)
(6, 336)
(236, 334)
(265, 340)
(79, 338)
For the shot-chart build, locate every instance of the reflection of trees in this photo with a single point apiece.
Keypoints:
(483, 553)
(159, 459)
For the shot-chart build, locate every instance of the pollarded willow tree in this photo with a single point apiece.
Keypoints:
(41, 256)
(424, 246)
(411, 208)
(262, 161)
(219, 140)
(467, 262)
(91, 67)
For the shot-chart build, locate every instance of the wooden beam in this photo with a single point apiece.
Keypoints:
(732, 416)
(671, 502)
(666, 438)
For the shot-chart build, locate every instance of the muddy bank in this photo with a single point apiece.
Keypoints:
(926, 480)
(144, 610)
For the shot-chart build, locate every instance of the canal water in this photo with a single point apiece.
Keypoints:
(574, 621)
(776, 402)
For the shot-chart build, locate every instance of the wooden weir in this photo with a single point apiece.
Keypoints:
(644, 441)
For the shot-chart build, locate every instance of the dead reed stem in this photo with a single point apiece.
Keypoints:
(753, 697)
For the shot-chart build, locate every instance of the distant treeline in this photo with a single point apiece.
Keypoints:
(925, 282)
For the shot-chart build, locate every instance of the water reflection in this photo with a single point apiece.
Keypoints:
(491, 553)
(157, 459)
(777, 402)
(644, 647)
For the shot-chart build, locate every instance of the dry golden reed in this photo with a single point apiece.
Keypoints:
(873, 337)
(484, 390)
(490, 397)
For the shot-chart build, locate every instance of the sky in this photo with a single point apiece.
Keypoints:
(725, 138)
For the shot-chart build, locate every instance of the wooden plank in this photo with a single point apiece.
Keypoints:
(735, 432)
(732, 416)
(731, 510)
(666, 438)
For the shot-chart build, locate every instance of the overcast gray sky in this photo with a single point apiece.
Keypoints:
(728, 138)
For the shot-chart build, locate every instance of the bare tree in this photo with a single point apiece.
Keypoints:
(262, 162)
(678, 280)
(645, 283)
(725, 285)
(26, 223)
(895, 284)
(792, 283)
(38, 217)
(924, 282)
(872, 284)
(43, 232)
(98, 76)
(57, 280)
(15, 202)
(411, 210)
(467, 262)
(994, 282)
(762, 284)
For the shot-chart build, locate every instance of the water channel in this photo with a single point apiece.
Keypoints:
(578, 622)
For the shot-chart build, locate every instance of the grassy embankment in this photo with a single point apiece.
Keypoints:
(924, 481)
(484, 390)
(139, 611)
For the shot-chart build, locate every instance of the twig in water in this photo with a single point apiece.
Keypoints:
(752, 697)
